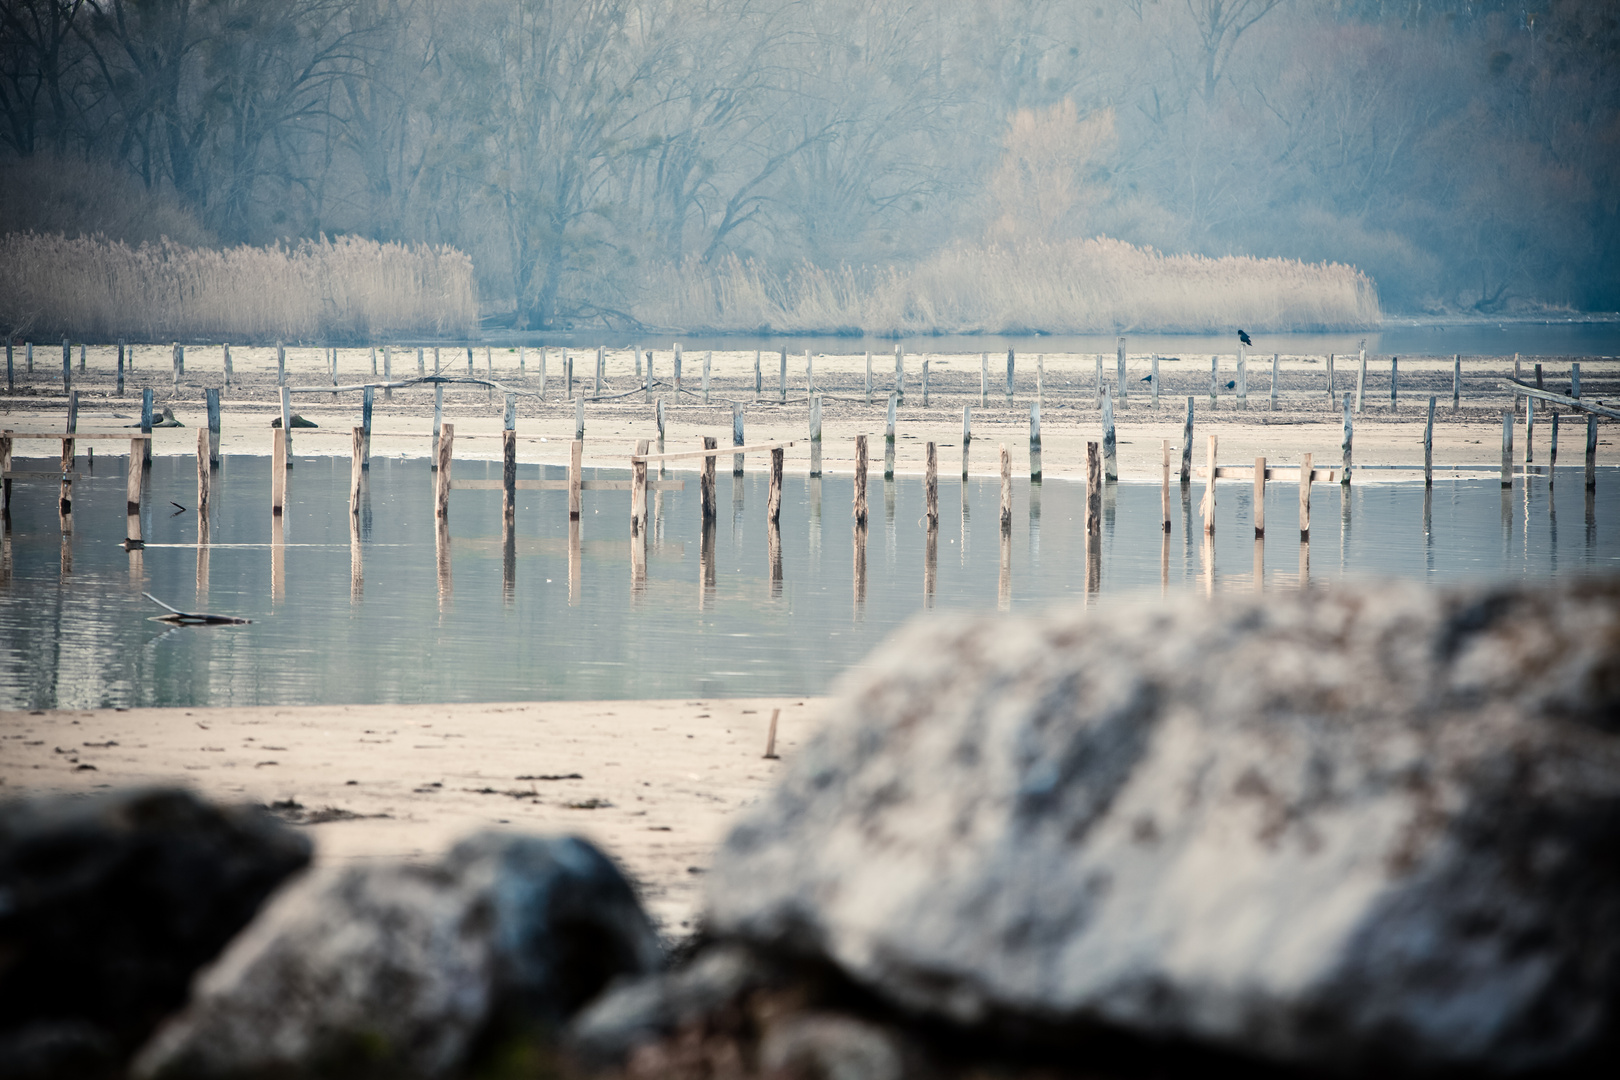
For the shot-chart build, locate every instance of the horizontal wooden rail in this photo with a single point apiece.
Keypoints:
(1561, 399)
(753, 448)
(24, 474)
(562, 485)
(1246, 472)
(61, 436)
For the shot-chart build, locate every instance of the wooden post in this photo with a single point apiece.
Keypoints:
(1006, 490)
(984, 379)
(5, 467)
(1153, 380)
(1347, 444)
(179, 359)
(869, 376)
(888, 438)
(1529, 429)
(967, 438)
(809, 374)
(467, 347)
(1040, 379)
(1305, 497)
(230, 372)
(707, 359)
(436, 370)
(781, 376)
(421, 364)
(11, 370)
(281, 364)
(815, 434)
(211, 404)
(1259, 497)
(1361, 380)
(770, 737)
(860, 482)
(72, 426)
(357, 469)
(568, 375)
(438, 421)
(1009, 376)
(374, 358)
(509, 476)
(523, 362)
(1123, 386)
(706, 479)
(1538, 378)
(648, 395)
(773, 503)
(543, 357)
(278, 471)
(1507, 449)
(1110, 460)
(1242, 378)
(1332, 397)
(146, 426)
(638, 493)
(366, 401)
(120, 367)
(736, 437)
(576, 456)
(899, 372)
(1275, 369)
(332, 354)
(1207, 508)
(1552, 451)
(601, 362)
(579, 417)
(1099, 380)
(931, 487)
(134, 478)
(441, 499)
(1164, 484)
(1575, 381)
(1214, 380)
(1034, 442)
(1456, 381)
(1428, 447)
(1186, 444)
(1394, 383)
(1591, 453)
(659, 413)
(1094, 486)
(925, 383)
(759, 380)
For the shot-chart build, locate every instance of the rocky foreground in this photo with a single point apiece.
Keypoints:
(1361, 831)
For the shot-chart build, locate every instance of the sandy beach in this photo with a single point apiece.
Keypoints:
(654, 783)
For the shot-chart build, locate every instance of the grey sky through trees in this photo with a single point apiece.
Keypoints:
(1462, 153)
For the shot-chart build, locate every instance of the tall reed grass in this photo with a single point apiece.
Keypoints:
(1071, 287)
(92, 288)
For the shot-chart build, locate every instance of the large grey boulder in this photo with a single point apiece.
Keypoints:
(1336, 828)
(109, 904)
(398, 969)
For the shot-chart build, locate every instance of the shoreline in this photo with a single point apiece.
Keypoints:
(657, 782)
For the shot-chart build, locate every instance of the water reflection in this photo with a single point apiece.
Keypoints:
(767, 623)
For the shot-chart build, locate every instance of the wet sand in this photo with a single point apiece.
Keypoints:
(657, 781)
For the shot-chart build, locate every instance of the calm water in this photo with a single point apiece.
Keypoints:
(560, 620)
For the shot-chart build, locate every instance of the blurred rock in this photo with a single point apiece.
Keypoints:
(394, 969)
(1342, 829)
(108, 904)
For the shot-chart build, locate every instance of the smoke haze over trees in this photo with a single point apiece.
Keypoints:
(1464, 154)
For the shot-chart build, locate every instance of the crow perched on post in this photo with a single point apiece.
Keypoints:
(1243, 336)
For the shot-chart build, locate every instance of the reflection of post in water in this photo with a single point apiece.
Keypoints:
(509, 563)
(1208, 552)
(1004, 589)
(1034, 523)
(815, 519)
(575, 561)
(1164, 562)
(889, 536)
(1304, 564)
(638, 521)
(1186, 517)
(203, 549)
(860, 565)
(1428, 526)
(1344, 525)
(706, 564)
(357, 573)
(1260, 564)
(930, 563)
(441, 548)
(773, 550)
(737, 482)
(67, 553)
(1591, 519)
(1552, 523)
(965, 522)
(278, 557)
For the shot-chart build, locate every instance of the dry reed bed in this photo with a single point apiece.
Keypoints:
(331, 289)
(1074, 287)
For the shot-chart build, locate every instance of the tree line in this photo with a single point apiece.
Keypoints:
(1462, 152)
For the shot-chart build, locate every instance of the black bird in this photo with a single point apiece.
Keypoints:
(1231, 383)
(1145, 378)
(1243, 336)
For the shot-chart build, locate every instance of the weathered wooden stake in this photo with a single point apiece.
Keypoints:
(441, 492)
(888, 438)
(759, 378)
(647, 395)
(72, 426)
(1591, 453)
(1153, 380)
(568, 376)
(860, 482)
(1242, 379)
(1332, 396)
(770, 737)
(967, 437)
(708, 358)
(579, 417)
(931, 487)
(781, 376)
(1552, 451)
(1110, 460)
(1094, 490)
(869, 376)
(134, 478)
(1040, 379)
(659, 412)
(1035, 442)
(278, 471)
(1206, 509)
(815, 435)
(638, 493)
(773, 501)
(1009, 376)
(1214, 380)
(1428, 448)
(1507, 449)
(5, 482)
(1006, 490)
(601, 363)
(984, 379)
(281, 363)
(509, 475)
(421, 364)
(809, 373)
(1347, 444)
(1164, 483)
(1529, 429)
(1275, 369)
(544, 356)
(1305, 497)
(736, 437)
(1361, 379)
(1186, 444)
(357, 469)
(146, 426)
(925, 383)
(1538, 378)
(1124, 387)
(366, 401)
(179, 360)
(900, 372)
(211, 405)
(1456, 381)
(1099, 380)
(576, 476)
(438, 421)
(1259, 496)
(120, 367)
(1394, 383)
(706, 479)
